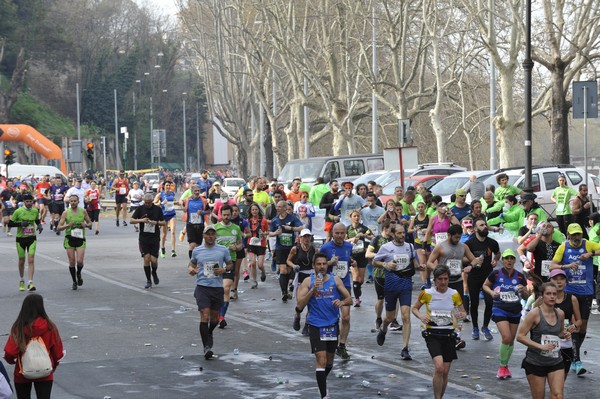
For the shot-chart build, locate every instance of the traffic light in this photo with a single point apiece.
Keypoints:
(9, 157)
(90, 152)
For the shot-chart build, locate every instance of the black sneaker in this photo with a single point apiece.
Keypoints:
(79, 280)
(155, 278)
(263, 275)
(208, 353)
(74, 286)
(173, 254)
(296, 324)
(378, 323)
(117, 222)
(148, 284)
(342, 352)
(394, 326)
(404, 355)
(305, 330)
(284, 298)
(460, 344)
(222, 324)
(124, 223)
(380, 337)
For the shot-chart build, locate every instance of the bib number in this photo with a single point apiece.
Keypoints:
(560, 209)
(255, 242)
(441, 317)
(285, 239)
(169, 206)
(195, 218)
(149, 228)
(508, 296)
(440, 237)
(77, 233)
(455, 266)
(209, 269)
(550, 339)
(402, 261)
(579, 275)
(546, 268)
(421, 236)
(122, 190)
(329, 333)
(28, 231)
(341, 269)
(358, 247)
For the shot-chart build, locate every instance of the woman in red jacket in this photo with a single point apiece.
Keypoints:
(33, 322)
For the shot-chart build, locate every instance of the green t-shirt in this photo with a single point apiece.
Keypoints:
(228, 236)
(562, 196)
(23, 214)
(501, 192)
(78, 219)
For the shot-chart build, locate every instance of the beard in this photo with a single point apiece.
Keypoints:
(483, 233)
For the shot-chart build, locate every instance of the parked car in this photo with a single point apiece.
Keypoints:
(415, 181)
(367, 177)
(231, 185)
(544, 179)
(153, 181)
(448, 185)
(442, 168)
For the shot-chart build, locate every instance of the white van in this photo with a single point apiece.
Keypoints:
(342, 168)
(19, 170)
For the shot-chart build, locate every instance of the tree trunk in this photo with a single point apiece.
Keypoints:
(506, 125)
(560, 112)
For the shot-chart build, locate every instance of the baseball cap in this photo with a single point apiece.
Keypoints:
(305, 232)
(557, 272)
(467, 223)
(509, 252)
(216, 183)
(528, 197)
(79, 179)
(461, 191)
(208, 228)
(574, 228)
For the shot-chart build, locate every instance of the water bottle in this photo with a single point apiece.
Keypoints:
(365, 383)
(478, 388)
(459, 325)
(236, 351)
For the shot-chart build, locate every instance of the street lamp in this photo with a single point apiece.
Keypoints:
(528, 68)
(184, 135)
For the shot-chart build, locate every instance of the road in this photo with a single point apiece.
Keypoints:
(124, 341)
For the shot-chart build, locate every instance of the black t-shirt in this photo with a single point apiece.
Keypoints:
(6, 194)
(327, 203)
(153, 213)
(543, 251)
(488, 247)
(522, 231)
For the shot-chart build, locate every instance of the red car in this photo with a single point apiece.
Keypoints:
(415, 181)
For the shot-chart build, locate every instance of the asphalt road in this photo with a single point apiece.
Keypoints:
(126, 342)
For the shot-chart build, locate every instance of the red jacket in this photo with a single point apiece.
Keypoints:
(53, 343)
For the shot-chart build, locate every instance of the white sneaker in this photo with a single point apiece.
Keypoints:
(595, 311)
(594, 303)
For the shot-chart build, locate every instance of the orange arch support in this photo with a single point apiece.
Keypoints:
(34, 139)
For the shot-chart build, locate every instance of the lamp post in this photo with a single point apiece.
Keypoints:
(528, 68)
(184, 136)
(117, 157)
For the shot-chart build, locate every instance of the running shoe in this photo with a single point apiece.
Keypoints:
(9, 234)
(380, 337)
(394, 326)
(124, 223)
(74, 286)
(233, 295)
(208, 353)
(357, 303)
(268, 256)
(246, 276)
(117, 222)
(173, 254)
(460, 344)
(507, 372)
(475, 334)
(595, 311)
(162, 253)
(222, 323)
(284, 298)
(405, 355)
(51, 226)
(579, 369)
(501, 375)
(181, 235)
(31, 286)
(57, 232)
(254, 284)
(98, 231)
(369, 280)
(21, 285)
(486, 332)
(148, 284)
(305, 330)
(263, 275)
(79, 280)
(155, 278)
(137, 230)
(342, 352)
(378, 323)
(296, 324)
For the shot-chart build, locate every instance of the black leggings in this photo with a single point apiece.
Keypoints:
(43, 389)
(475, 286)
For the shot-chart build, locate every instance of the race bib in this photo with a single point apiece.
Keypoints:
(508, 296)
(43, 191)
(341, 269)
(329, 333)
(441, 317)
(209, 269)
(455, 266)
(441, 237)
(286, 239)
(550, 339)
(122, 190)
(421, 235)
(195, 218)
(578, 276)
(402, 261)
(28, 231)
(358, 247)
(560, 209)
(93, 196)
(169, 206)
(255, 241)
(77, 233)
(149, 228)
(546, 268)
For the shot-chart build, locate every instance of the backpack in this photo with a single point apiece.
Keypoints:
(35, 363)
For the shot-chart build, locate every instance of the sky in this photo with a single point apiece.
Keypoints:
(166, 7)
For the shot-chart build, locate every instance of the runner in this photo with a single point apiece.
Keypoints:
(347, 203)
(257, 243)
(120, 186)
(443, 306)
(135, 197)
(9, 204)
(339, 260)
(57, 201)
(92, 198)
(506, 286)
(76, 190)
(379, 272)
(197, 214)
(301, 260)
(576, 254)
(358, 234)
(283, 227)
(24, 219)
(581, 208)
(75, 220)
(150, 217)
(240, 256)
(229, 235)
(328, 200)
(543, 360)
(208, 263)
(418, 228)
(398, 259)
(324, 294)
(166, 200)
(43, 197)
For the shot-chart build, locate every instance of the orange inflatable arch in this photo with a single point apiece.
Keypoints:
(34, 139)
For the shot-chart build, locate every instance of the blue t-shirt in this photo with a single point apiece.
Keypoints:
(168, 208)
(204, 186)
(460, 213)
(195, 205)
(509, 302)
(288, 237)
(344, 254)
(206, 259)
(321, 311)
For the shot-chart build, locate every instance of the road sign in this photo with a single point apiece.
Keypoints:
(585, 98)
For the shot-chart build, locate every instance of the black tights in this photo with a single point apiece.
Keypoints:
(475, 286)
(43, 389)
